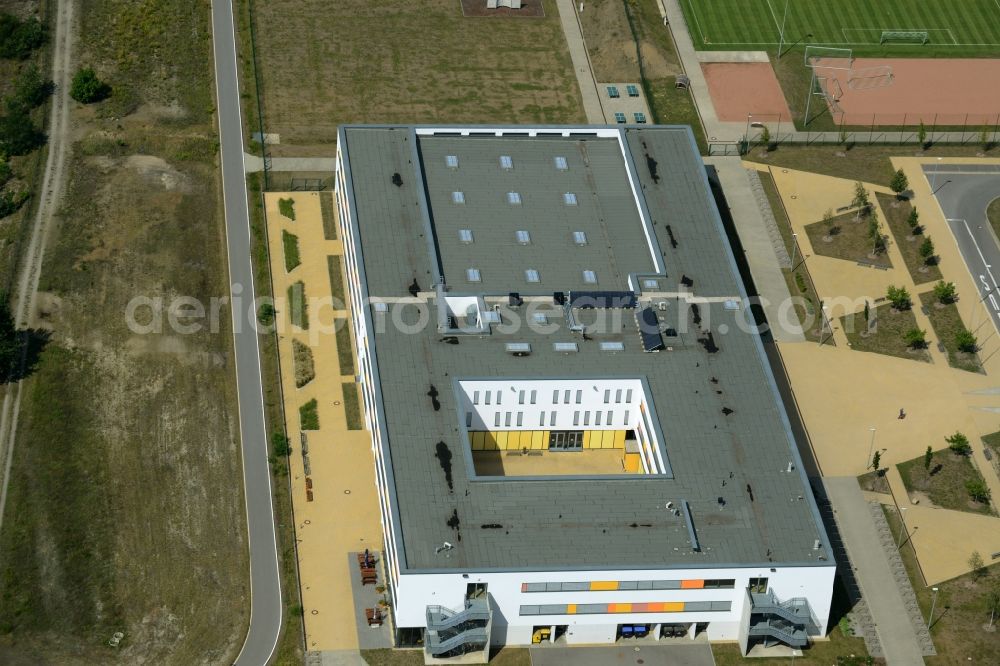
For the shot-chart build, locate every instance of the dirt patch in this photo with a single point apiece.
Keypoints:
(407, 62)
(908, 91)
(739, 89)
(609, 41)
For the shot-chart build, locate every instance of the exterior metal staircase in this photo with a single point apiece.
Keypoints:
(795, 610)
(451, 633)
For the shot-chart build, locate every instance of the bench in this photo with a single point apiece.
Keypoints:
(374, 617)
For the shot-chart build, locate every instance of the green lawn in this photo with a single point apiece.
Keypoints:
(329, 217)
(944, 482)
(896, 213)
(336, 281)
(345, 349)
(503, 657)
(287, 208)
(297, 305)
(993, 215)
(955, 28)
(352, 407)
(846, 237)
(309, 415)
(947, 323)
(888, 336)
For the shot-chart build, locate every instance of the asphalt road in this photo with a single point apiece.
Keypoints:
(265, 581)
(964, 191)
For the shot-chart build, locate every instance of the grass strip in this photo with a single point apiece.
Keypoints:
(291, 245)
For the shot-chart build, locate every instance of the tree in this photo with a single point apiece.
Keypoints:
(922, 134)
(993, 602)
(30, 89)
(899, 297)
(944, 292)
(916, 338)
(986, 137)
(18, 134)
(966, 341)
(928, 458)
(860, 200)
(868, 311)
(87, 88)
(10, 341)
(5, 172)
(976, 565)
(959, 443)
(914, 221)
(927, 251)
(765, 136)
(19, 38)
(876, 460)
(978, 490)
(875, 234)
(899, 183)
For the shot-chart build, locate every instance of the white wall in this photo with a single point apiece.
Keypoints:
(416, 591)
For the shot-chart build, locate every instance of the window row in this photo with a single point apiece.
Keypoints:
(616, 585)
(514, 198)
(507, 162)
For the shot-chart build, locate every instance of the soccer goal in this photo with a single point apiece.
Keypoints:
(829, 57)
(904, 36)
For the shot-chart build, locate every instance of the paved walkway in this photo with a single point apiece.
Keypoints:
(337, 514)
(581, 62)
(757, 245)
(899, 642)
(254, 163)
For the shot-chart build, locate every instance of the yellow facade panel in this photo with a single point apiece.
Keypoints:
(478, 440)
(546, 436)
(587, 439)
(537, 438)
(619, 441)
(603, 585)
(490, 442)
(501, 437)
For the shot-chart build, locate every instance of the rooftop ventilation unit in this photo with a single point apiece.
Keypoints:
(518, 348)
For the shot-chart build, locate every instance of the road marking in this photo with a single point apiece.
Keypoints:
(981, 257)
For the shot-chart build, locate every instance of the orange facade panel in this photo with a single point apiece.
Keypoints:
(693, 584)
(603, 585)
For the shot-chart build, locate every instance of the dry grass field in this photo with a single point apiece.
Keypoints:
(353, 61)
(125, 510)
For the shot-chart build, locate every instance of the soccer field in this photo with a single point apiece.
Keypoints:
(953, 27)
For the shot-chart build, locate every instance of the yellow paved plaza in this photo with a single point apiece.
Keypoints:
(842, 393)
(343, 515)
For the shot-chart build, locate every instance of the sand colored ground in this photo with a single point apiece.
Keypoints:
(902, 91)
(740, 88)
(842, 393)
(343, 516)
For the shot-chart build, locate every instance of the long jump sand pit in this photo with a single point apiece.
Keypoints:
(741, 88)
(908, 91)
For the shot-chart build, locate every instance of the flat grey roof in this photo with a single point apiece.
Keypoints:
(559, 523)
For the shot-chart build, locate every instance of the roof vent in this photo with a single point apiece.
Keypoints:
(522, 236)
(451, 161)
(561, 163)
(612, 346)
(518, 348)
(566, 347)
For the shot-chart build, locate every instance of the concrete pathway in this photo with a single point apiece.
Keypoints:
(758, 246)
(581, 62)
(899, 642)
(254, 163)
(732, 56)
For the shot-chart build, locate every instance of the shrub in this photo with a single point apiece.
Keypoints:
(10, 202)
(978, 490)
(287, 208)
(5, 173)
(959, 444)
(899, 183)
(265, 315)
(800, 282)
(279, 445)
(19, 38)
(899, 297)
(87, 88)
(291, 246)
(861, 200)
(916, 338)
(913, 220)
(944, 292)
(928, 458)
(922, 134)
(966, 341)
(297, 305)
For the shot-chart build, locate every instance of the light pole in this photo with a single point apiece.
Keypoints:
(871, 448)
(902, 527)
(781, 37)
(934, 180)
(930, 618)
(746, 135)
(795, 247)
